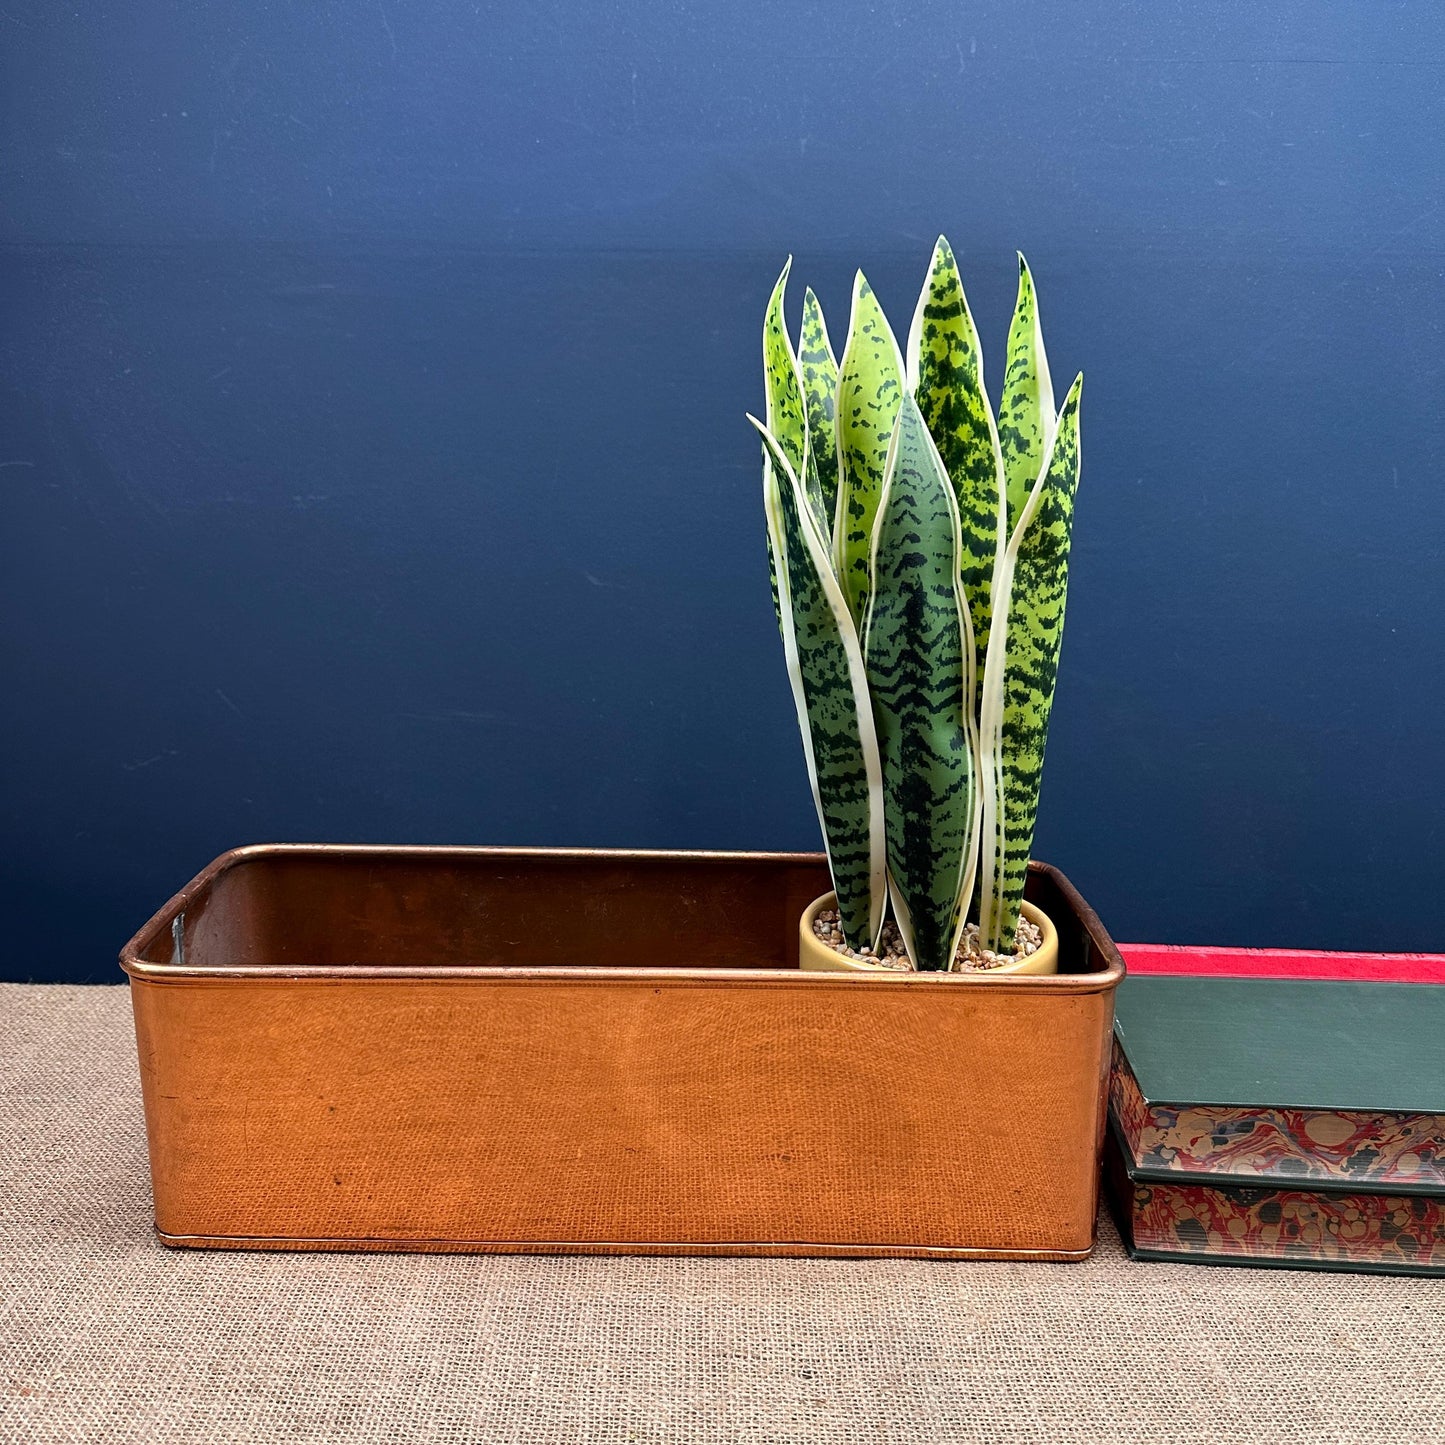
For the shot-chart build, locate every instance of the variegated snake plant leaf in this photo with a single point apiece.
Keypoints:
(945, 364)
(830, 693)
(916, 645)
(870, 387)
(819, 369)
(1019, 692)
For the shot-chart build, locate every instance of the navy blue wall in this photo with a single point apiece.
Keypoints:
(373, 461)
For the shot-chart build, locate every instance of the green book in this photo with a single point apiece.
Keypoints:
(1281, 1121)
(1285, 1043)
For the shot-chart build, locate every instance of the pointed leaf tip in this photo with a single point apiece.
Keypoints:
(1074, 394)
(871, 380)
(946, 364)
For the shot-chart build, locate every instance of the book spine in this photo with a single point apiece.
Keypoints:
(1187, 959)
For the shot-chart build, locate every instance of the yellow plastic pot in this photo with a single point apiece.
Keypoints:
(814, 956)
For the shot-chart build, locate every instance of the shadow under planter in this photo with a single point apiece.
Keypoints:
(559, 1051)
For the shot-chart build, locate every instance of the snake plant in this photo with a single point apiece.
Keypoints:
(919, 545)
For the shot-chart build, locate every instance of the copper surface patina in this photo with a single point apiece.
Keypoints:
(538, 1050)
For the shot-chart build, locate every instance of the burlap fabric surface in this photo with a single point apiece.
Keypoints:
(105, 1336)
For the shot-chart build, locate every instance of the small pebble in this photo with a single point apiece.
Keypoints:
(970, 956)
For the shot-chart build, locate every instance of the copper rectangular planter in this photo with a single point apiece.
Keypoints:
(549, 1051)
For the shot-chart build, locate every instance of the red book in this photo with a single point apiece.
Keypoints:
(1171, 958)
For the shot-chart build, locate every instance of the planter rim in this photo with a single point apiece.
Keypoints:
(140, 969)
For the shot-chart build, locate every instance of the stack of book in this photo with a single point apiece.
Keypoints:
(1294, 1120)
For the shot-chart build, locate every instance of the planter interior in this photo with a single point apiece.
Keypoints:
(568, 1051)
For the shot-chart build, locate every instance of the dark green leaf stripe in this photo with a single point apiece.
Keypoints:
(820, 395)
(914, 650)
(870, 385)
(946, 368)
(1035, 630)
(830, 689)
(1026, 410)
